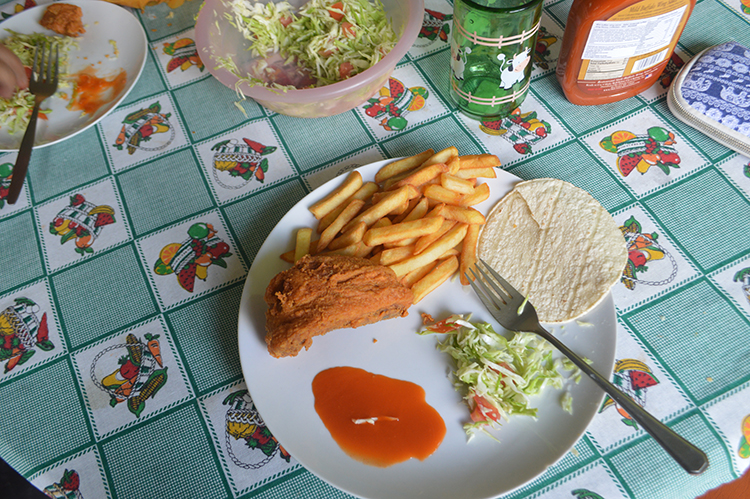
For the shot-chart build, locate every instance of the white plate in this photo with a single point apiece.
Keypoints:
(482, 468)
(103, 22)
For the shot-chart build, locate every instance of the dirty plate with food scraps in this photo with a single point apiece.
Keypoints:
(483, 468)
(114, 41)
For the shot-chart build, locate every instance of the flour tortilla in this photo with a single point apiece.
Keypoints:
(555, 244)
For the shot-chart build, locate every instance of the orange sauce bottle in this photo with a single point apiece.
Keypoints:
(615, 49)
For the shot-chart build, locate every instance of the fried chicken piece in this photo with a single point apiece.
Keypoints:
(323, 293)
(63, 18)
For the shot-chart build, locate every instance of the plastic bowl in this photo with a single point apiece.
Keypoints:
(216, 38)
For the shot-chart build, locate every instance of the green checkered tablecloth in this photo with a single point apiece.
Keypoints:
(77, 307)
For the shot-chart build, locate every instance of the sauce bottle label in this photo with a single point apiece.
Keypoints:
(626, 49)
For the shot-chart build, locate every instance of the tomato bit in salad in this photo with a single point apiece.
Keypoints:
(498, 375)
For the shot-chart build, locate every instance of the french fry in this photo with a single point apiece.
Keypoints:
(375, 257)
(415, 275)
(454, 164)
(404, 230)
(425, 241)
(479, 161)
(402, 216)
(353, 235)
(440, 194)
(433, 252)
(449, 253)
(422, 175)
(463, 215)
(382, 223)
(456, 184)
(364, 193)
(393, 255)
(350, 250)
(344, 218)
(437, 276)
(289, 255)
(402, 165)
(468, 256)
(302, 243)
(326, 205)
(481, 193)
(443, 156)
(476, 173)
(384, 206)
(362, 250)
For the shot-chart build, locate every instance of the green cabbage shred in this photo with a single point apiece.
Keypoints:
(16, 111)
(504, 372)
(313, 39)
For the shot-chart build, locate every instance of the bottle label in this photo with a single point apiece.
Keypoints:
(624, 50)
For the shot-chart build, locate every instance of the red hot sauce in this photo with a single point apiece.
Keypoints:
(375, 419)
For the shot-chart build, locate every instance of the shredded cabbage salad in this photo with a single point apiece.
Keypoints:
(499, 375)
(330, 39)
(16, 111)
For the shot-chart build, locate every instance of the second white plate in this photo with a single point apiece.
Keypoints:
(483, 468)
(114, 40)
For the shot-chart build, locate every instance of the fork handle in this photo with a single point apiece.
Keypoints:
(24, 155)
(687, 455)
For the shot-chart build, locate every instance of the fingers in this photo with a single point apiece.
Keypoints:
(12, 73)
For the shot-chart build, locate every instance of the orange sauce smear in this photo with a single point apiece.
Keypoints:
(406, 425)
(92, 91)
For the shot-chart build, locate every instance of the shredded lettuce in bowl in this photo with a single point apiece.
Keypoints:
(16, 111)
(325, 41)
(498, 375)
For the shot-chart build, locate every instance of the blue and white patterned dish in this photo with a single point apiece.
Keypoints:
(712, 94)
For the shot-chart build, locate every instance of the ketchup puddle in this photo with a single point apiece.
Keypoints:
(375, 419)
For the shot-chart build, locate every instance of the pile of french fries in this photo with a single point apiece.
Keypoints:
(416, 217)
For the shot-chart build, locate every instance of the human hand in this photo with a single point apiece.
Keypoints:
(12, 73)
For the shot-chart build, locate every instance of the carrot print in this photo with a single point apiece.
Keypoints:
(153, 347)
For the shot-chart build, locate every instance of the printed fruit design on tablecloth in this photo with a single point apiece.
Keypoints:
(241, 159)
(138, 376)
(19, 8)
(192, 257)
(544, 40)
(21, 330)
(140, 127)
(6, 175)
(633, 378)
(744, 449)
(394, 102)
(746, 6)
(743, 276)
(670, 70)
(243, 422)
(66, 488)
(184, 55)
(641, 152)
(642, 249)
(435, 25)
(82, 221)
(585, 494)
(522, 130)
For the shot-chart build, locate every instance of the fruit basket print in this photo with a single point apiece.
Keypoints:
(136, 376)
(641, 152)
(191, 258)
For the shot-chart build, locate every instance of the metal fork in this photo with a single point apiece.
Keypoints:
(514, 313)
(42, 87)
